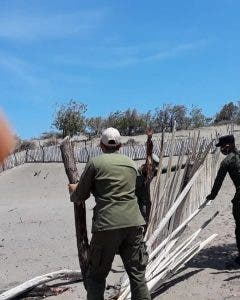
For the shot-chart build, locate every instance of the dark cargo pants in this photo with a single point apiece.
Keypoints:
(236, 215)
(128, 242)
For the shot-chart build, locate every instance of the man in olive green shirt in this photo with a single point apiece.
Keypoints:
(117, 225)
(231, 165)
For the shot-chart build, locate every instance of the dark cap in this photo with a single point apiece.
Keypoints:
(226, 139)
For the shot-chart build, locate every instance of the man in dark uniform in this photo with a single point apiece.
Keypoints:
(142, 192)
(231, 165)
(117, 221)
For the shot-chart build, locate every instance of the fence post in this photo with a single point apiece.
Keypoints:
(41, 147)
(26, 157)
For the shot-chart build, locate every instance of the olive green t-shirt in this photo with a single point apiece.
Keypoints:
(111, 178)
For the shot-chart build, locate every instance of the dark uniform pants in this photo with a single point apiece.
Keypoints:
(236, 215)
(128, 242)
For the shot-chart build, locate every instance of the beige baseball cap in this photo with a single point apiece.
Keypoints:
(111, 137)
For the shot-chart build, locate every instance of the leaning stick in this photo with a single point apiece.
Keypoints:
(177, 231)
(167, 260)
(157, 264)
(30, 284)
(173, 209)
(180, 263)
(125, 280)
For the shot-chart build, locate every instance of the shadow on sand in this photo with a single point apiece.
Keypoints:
(219, 258)
(167, 285)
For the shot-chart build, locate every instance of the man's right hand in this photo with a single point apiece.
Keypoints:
(72, 187)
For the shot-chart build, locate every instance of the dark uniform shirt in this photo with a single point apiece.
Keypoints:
(142, 189)
(231, 165)
(111, 178)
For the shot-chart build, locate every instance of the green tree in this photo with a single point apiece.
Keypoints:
(69, 118)
(197, 117)
(114, 119)
(129, 122)
(237, 115)
(227, 113)
(168, 114)
(95, 125)
(178, 114)
(162, 118)
(132, 123)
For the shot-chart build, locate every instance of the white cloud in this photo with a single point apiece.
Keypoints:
(31, 27)
(35, 76)
(124, 56)
(18, 68)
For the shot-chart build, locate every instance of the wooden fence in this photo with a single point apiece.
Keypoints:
(83, 154)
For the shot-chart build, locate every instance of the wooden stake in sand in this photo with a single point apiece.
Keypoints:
(79, 209)
(149, 171)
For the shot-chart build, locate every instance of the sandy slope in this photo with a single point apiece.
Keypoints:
(37, 236)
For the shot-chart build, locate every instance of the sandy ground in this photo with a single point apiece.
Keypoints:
(37, 236)
(37, 233)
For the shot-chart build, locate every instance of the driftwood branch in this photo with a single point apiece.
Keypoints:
(30, 284)
(79, 209)
(69, 160)
(44, 291)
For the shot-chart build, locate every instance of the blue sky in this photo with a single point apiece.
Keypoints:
(112, 55)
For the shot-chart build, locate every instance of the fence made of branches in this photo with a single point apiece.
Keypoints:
(84, 153)
(176, 199)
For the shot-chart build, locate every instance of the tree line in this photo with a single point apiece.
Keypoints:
(70, 119)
